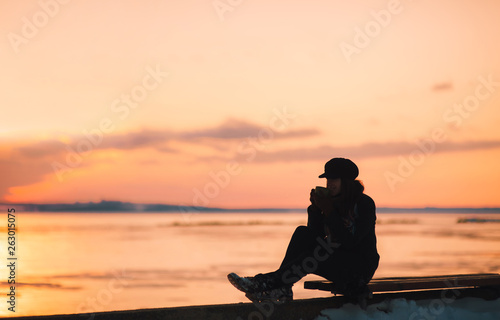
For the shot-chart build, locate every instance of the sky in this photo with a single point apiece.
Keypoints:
(239, 103)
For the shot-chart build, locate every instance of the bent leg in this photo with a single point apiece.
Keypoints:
(349, 272)
(301, 244)
(305, 252)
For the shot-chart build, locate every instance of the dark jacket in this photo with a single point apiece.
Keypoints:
(356, 235)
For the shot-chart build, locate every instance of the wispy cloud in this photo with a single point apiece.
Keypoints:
(139, 139)
(29, 163)
(33, 160)
(231, 129)
(40, 149)
(369, 150)
(21, 172)
(442, 86)
(239, 129)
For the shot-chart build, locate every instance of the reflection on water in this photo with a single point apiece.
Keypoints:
(95, 262)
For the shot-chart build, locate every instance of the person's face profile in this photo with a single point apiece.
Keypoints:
(334, 185)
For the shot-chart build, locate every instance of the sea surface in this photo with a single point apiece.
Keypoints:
(88, 262)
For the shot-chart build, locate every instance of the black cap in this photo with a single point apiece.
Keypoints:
(340, 168)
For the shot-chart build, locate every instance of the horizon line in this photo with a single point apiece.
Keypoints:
(182, 207)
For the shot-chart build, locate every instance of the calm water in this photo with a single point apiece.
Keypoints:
(71, 263)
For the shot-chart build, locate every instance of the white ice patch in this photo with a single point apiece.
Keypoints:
(436, 309)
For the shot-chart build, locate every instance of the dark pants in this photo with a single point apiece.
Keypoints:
(309, 253)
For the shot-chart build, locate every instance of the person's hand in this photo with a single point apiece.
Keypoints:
(325, 204)
(312, 196)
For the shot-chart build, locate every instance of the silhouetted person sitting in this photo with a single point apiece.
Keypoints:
(338, 243)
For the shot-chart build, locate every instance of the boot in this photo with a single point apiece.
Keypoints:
(258, 283)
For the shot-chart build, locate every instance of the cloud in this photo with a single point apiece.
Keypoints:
(372, 150)
(20, 172)
(125, 141)
(34, 160)
(240, 129)
(443, 86)
(134, 140)
(231, 129)
(40, 149)
(29, 163)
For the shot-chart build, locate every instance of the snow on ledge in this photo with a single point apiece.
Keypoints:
(435, 309)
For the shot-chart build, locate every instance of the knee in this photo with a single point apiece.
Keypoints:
(301, 229)
(303, 232)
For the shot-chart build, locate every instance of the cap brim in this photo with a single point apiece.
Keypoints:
(323, 175)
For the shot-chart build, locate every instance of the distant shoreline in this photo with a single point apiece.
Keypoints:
(128, 207)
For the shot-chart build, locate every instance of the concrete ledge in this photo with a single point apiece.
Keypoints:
(305, 309)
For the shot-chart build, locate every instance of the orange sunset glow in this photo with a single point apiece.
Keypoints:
(238, 104)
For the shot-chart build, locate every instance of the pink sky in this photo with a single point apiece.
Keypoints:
(240, 104)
